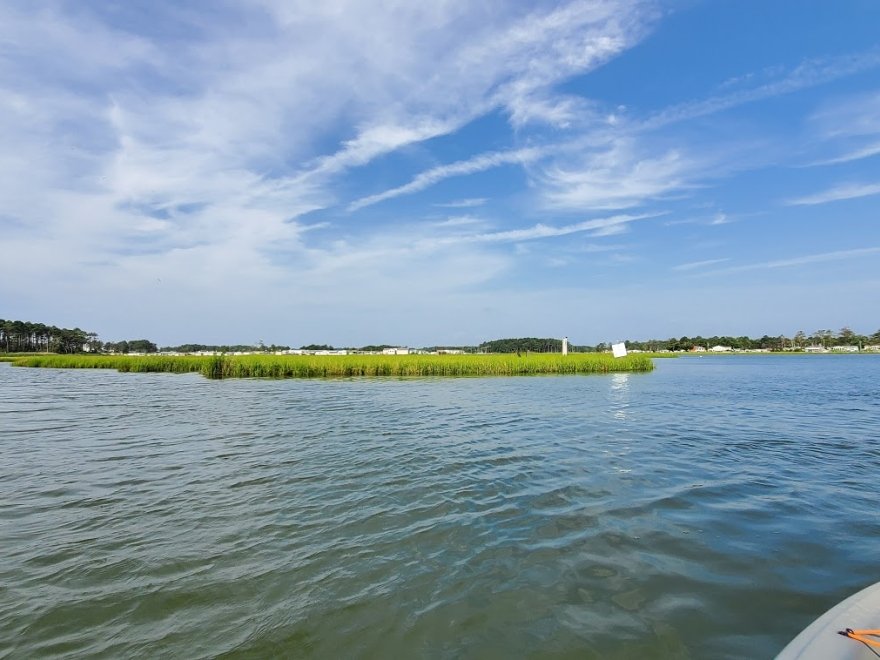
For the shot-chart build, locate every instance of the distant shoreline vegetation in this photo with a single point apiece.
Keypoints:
(30, 337)
(343, 366)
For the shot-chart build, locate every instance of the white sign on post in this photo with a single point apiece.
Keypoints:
(619, 350)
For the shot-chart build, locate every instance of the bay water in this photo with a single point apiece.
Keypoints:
(710, 509)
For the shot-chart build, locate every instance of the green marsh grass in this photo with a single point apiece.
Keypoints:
(346, 366)
(134, 363)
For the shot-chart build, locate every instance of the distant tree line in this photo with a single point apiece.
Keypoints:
(800, 340)
(369, 348)
(29, 337)
(447, 347)
(130, 346)
(224, 348)
(529, 345)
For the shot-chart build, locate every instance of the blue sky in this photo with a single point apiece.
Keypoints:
(445, 172)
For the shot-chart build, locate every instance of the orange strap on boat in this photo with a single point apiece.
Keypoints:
(863, 636)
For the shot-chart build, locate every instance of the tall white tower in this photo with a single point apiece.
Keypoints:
(565, 345)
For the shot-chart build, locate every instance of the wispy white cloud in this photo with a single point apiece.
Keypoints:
(377, 140)
(838, 255)
(556, 110)
(622, 169)
(621, 176)
(596, 227)
(616, 177)
(856, 154)
(591, 248)
(464, 203)
(610, 230)
(808, 74)
(388, 257)
(713, 220)
(459, 221)
(428, 178)
(145, 143)
(849, 128)
(545, 48)
(838, 193)
(693, 265)
(511, 67)
(416, 240)
(848, 116)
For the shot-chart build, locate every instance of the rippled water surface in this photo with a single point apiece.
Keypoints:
(710, 509)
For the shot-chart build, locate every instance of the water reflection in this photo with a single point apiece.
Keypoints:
(619, 395)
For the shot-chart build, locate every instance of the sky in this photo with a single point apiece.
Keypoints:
(443, 172)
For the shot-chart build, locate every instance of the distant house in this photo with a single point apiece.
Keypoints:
(815, 349)
(845, 349)
(721, 349)
(399, 350)
(698, 349)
